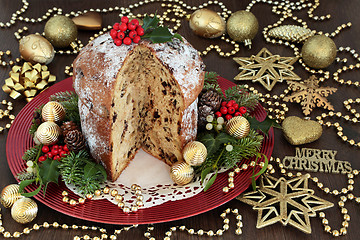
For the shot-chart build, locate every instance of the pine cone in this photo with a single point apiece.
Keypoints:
(211, 98)
(75, 140)
(67, 127)
(204, 111)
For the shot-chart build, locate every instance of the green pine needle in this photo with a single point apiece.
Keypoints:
(70, 102)
(242, 97)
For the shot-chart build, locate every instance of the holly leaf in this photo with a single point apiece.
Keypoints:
(204, 173)
(49, 172)
(159, 35)
(92, 169)
(178, 36)
(210, 182)
(213, 144)
(149, 22)
(263, 126)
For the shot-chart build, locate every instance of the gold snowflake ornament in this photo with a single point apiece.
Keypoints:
(266, 68)
(290, 202)
(310, 95)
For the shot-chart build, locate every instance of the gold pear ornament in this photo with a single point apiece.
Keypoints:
(9, 195)
(207, 23)
(24, 210)
(194, 153)
(36, 49)
(182, 173)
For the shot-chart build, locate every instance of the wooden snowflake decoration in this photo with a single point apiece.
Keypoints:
(310, 95)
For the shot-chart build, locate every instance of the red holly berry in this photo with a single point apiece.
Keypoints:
(116, 26)
(132, 34)
(123, 27)
(55, 147)
(54, 151)
(135, 22)
(223, 104)
(140, 31)
(136, 39)
(50, 155)
(231, 110)
(236, 106)
(66, 148)
(124, 19)
(228, 117)
(45, 149)
(62, 154)
(113, 33)
(229, 104)
(237, 114)
(42, 158)
(121, 35)
(218, 114)
(223, 110)
(117, 42)
(232, 102)
(127, 41)
(57, 157)
(131, 26)
(242, 110)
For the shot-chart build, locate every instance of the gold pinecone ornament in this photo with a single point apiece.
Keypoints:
(291, 33)
(194, 153)
(182, 173)
(75, 141)
(24, 210)
(238, 127)
(9, 195)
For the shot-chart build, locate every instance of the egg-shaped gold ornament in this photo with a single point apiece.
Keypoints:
(10, 194)
(238, 127)
(60, 31)
(194, 153)
(24, 210)
(36, 49)
(53, 111)
(182, 173)
(242, 26)
(48, 133)
(318, 51)
(207, 23)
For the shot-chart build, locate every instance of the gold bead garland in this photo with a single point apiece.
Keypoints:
(7, 113)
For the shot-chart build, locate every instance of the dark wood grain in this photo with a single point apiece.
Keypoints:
(341, 11)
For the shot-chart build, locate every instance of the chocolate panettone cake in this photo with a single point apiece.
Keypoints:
(142, 95)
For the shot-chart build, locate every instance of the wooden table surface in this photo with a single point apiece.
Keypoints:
(341, 11)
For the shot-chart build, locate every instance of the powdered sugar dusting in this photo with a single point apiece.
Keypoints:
(189, 122)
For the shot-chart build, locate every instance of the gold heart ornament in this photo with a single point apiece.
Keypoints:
(88, 21)
(299, 131)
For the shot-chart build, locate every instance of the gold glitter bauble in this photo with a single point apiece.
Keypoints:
(36, 49)
(194, 153)
(48, 133)
(10, 194)
(60, 31)
(242, 26)
(318, 51)
(207, 23)
(53, 111)
(299, 131)
(24, 210)
(238, 127)
(182, 173)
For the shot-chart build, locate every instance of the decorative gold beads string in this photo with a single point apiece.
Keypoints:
(201, 232)
(6, 113)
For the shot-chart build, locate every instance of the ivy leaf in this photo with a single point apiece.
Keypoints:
(263, 126)
(49, 172)
(210, 182)
(149, 22)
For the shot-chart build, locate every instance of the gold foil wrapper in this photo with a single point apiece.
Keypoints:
(194, 153)
(24, 210)
(27, 80)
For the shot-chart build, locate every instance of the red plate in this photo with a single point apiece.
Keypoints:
(103, 211)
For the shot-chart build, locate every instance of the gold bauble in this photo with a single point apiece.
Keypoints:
(36, 49)
(299, 131)
(53, 111)
(238, 127)
(194, 153)
(207, 23)
(242, 26)
(318, 51)
(24, 210)
(60, 31)
(10, 194)
(182, 173)
(88, 21)
(48, 133)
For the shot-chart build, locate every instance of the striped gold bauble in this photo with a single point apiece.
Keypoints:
(24, 210)
(238, 127)
(53, 111)
(182, 173)
(48, 133)
(9, 195)
(194, 153)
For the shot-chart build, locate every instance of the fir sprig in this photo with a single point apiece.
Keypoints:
(70, 102)
(210, 82)
(34, 126)
(32, 153)
(79, 170)
(242, 97)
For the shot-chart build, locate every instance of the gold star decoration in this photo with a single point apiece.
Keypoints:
(286, 201)
(309, 94)
(266, 68)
